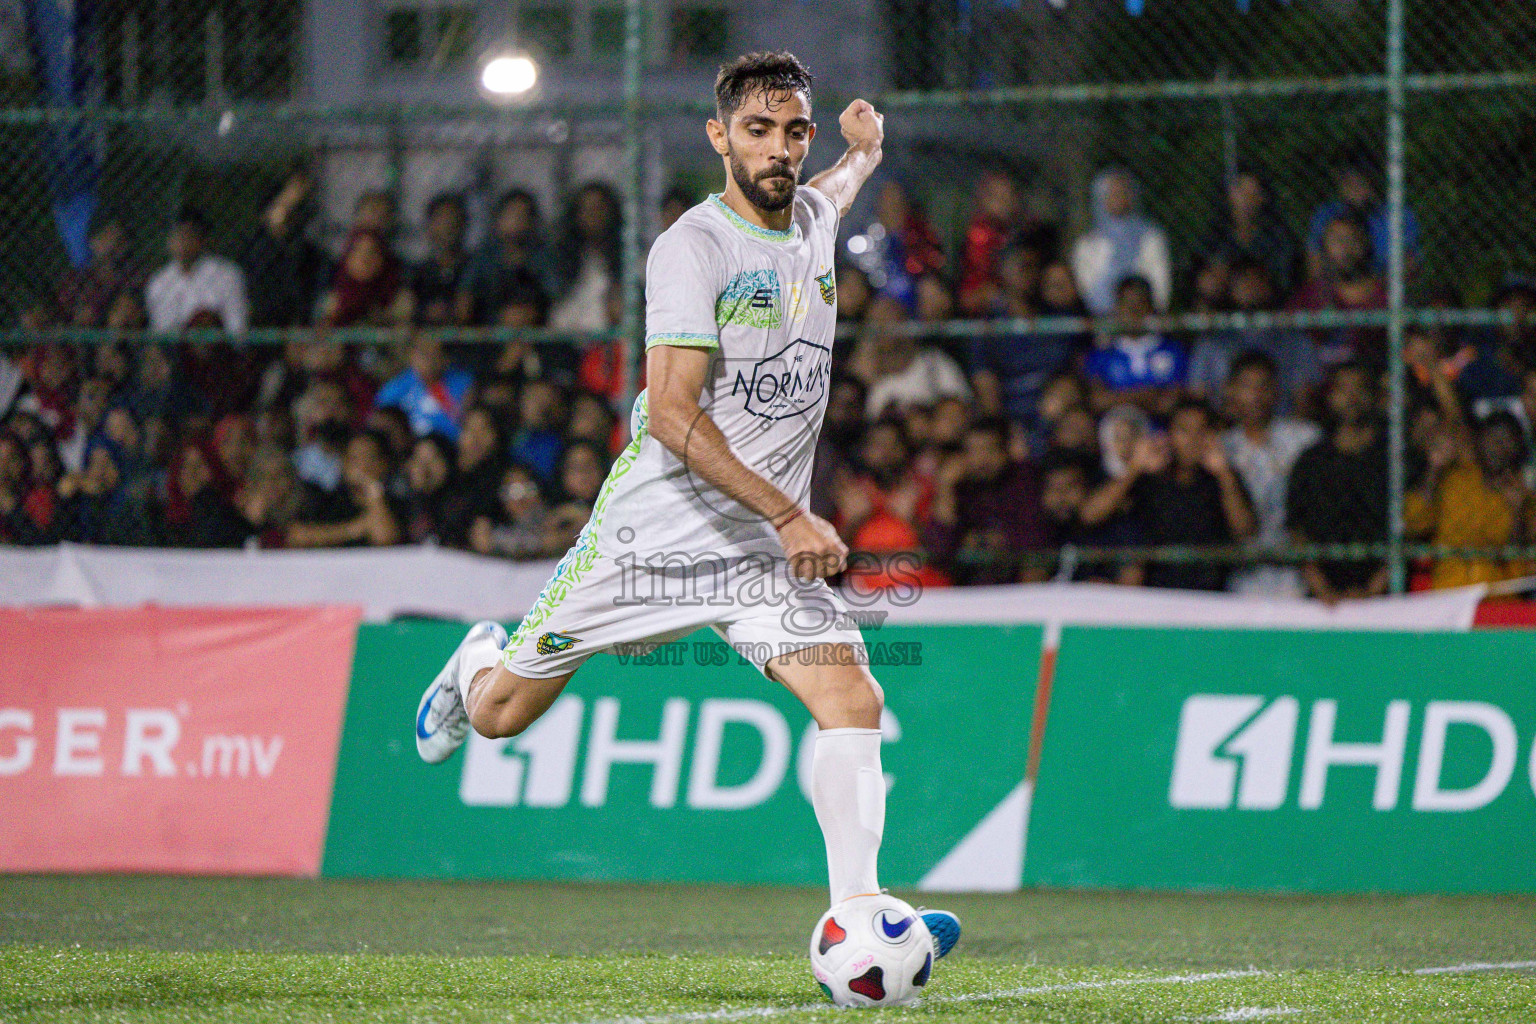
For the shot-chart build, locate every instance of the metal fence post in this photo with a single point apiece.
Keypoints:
(1397, 413)
(633, 349)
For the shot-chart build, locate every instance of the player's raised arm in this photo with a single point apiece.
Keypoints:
(675, 376)
(864, 128)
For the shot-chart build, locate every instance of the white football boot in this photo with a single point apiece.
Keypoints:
(442, 722)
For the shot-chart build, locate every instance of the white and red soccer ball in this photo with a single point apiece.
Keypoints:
(872, 951)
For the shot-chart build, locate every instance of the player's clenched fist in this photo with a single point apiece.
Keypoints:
(863, 126)
(813, 547)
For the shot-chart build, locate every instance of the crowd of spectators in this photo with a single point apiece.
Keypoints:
(1016, 454)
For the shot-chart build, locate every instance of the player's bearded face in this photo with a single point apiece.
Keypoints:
(766, 141)
(770, 187)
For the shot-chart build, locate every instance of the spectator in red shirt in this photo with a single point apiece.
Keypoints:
(1347, 283)
(881, 508)
(994, 223)
(902, 245)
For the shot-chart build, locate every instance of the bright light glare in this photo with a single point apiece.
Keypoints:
(507, 75)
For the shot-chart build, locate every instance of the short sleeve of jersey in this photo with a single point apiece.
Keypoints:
(830, 216)
(683, 279)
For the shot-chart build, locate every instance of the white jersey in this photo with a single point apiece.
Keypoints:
(765, 303)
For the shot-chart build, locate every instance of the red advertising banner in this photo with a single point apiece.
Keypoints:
(170, 740)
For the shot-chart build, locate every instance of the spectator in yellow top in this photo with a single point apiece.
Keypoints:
(1472, 492)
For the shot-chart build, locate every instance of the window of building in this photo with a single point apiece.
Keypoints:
(428, 35)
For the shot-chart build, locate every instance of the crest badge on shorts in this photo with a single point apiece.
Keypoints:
(554, 643)
(828, 285)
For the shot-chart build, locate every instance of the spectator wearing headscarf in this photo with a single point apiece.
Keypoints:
(198, 512)
(1123, 243)
(431, 483)
(367, 286)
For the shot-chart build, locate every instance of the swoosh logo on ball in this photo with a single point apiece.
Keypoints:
(897, 930)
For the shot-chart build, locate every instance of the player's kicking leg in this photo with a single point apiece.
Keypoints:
(442, 721)
(847, 784)
(475, 690)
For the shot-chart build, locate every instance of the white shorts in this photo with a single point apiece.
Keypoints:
(594, 604)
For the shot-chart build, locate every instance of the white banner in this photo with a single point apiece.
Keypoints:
(429, 581)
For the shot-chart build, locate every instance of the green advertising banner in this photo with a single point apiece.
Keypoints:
(1271, 760)
(687, 765)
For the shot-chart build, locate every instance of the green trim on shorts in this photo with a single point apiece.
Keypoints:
(766, 234)
(583, 554)
(686, 340)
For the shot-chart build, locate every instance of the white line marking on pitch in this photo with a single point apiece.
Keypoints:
(1243, 1013)
(1079, 986)
(754, 1012)
(1507, 965)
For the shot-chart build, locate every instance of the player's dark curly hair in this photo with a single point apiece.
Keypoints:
(776, 72)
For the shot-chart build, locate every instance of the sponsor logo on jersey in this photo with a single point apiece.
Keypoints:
(797, 307)
(753, 298)
(828, 285)
(791, 382)
(554, 643)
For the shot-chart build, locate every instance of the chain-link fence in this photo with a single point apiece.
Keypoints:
(1354, 173)
(1250, 128)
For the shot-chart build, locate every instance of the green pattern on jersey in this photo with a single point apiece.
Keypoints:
(583, 554)
(766, 234)
(752, 298)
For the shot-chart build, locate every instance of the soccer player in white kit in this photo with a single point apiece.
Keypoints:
(703, 519)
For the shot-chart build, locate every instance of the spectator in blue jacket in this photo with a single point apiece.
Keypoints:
(429, 391)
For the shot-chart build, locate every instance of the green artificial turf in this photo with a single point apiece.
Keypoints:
(161, 949)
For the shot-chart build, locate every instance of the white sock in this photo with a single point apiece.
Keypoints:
(477, 657)
(848, 794)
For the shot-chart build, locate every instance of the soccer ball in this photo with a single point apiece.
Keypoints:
(871, 951)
